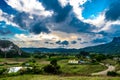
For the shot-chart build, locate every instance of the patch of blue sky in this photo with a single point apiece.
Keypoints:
(13, 29)
(6, 8)
(93, 8)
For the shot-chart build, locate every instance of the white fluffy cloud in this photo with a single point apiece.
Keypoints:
(63, 2)
(7, 18)
(39, 40)
(29, 6)
(76, 6)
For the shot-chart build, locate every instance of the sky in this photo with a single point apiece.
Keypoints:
(59, 23)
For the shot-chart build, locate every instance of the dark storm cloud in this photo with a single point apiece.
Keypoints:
(103, 40)
(65, 42)
(84, 42)
(61, 13)
(79, 39)
(80, 26)
(73, 42)
(115, 30)
(74, 25)
(38, 28)
(36, 25)
(113, 13)
(62, 42)
(104, 33)
(19, 19)
(58, 42)
(46, 42)
(49, 43)
(63, 19)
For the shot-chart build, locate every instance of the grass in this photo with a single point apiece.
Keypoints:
(84, 69)
(109, 61)
(54, 77)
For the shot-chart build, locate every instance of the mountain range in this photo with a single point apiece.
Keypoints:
(112, 47)
(9, 49)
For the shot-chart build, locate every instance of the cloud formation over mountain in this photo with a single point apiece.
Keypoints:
(91, 21)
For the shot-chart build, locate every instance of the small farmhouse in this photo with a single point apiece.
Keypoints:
(73, 62)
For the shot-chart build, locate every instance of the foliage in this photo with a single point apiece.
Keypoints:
(2, 70)
(32, 67)
(82, 54)
(52, 68)
(39, 55)
(98, 57)
(112, 73)
(53, 62)
(80, 69)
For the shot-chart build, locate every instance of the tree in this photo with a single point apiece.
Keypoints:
(52, 68)
(82, 54)
(98, 57)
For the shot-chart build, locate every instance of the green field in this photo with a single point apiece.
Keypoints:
(53, 77)
(67, 69)
(80, 69)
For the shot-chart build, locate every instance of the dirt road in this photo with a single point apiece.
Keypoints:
(110, 68)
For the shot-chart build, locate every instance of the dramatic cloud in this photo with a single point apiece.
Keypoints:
(81, 26)
(100, 40)
(35, 25)
(73, 42)
(29, 6)
(59, 23)
(113, 13)
(61, 13)
(6, 8)
(62, 43)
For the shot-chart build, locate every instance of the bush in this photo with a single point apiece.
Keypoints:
(111, 73)
(2, 70)
(36, 69)
(52, 68)
(53, 62)
(24, 71)
(13, 74)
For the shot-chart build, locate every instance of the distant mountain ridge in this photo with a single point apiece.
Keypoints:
(6, 45)
(9, 48)
(112, 47)
(50, 50)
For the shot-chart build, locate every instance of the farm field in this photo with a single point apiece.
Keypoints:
(67, 69)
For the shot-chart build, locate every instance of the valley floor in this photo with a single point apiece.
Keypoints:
(54, 77)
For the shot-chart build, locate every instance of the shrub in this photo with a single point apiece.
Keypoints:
(13, 74)
(2, 70)
(111, 73)
(53, 62)
(52, 68)
(36, 69)
(24, 71)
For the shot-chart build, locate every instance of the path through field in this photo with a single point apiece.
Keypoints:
(110, 68)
